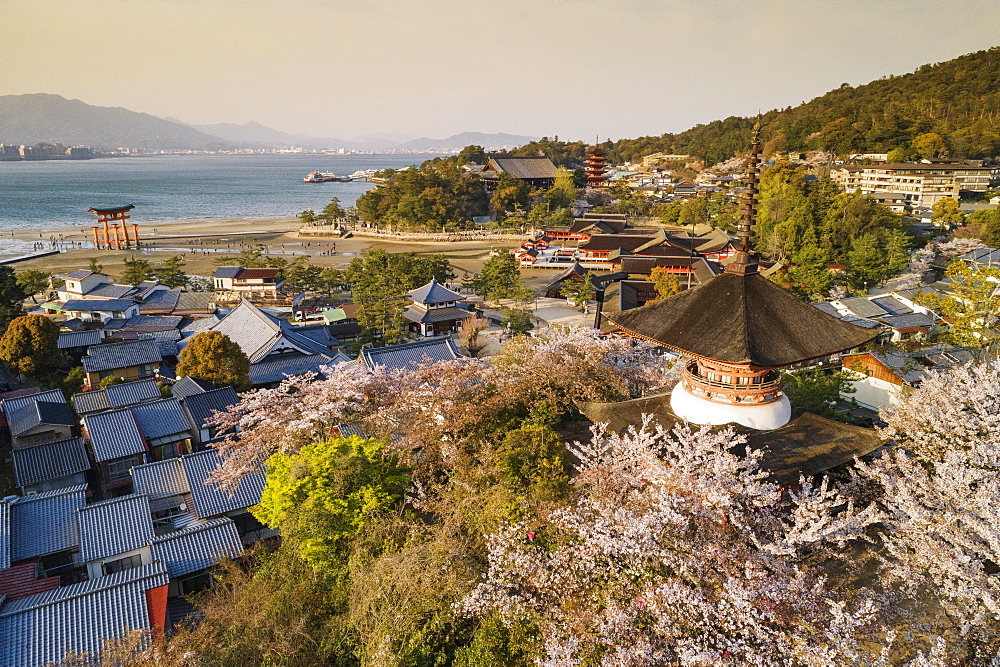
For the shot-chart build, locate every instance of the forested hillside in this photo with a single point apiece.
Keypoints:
(957, 100)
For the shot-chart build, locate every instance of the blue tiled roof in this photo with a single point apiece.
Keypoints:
(410, 355)
(161, 418)
(69, 339)
(5, 537)
(45, 523)
(434, 292)
(12, 404)
(50, 461)
(110, 291)
(90, 401)
(37, 413)
(114, 527)
(98, 305)
(227, 272)
(197, 546)
(160, 299)
(276, 368)
(160, 479)
(210, 500)
(113, 356)
(41, 629)
(130, 393)
(113, 434)
(202, 406)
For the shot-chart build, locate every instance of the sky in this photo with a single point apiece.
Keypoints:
(578, 69)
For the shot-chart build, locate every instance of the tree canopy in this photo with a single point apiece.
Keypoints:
(29, 345)
(214, 357)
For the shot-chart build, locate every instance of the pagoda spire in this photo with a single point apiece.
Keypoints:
(745, 260)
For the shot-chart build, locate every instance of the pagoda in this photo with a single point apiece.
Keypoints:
(596, 168)
(736, 331)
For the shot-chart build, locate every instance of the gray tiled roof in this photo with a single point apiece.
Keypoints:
(5, 537)
(68, 339)
(258, 333)
(188, 386)
(155, 320)
(114, 527)
(121, 355)
(44, 523)
(98, 305)
(160, 299)
(79, 274)
(525, 167)
(276, 368)
(110, 291)
(50, 461)
(862, 307)
(827, 308)
(197, 326)
(160, 479)
(50, 396)
(409, 355)
(130, 393)
(415, 314)
(197, 546)
(37, 413)
(114, 434)
(434, 292)
(41, 629)
(906, 321)
(210, 500)
(892, 305)
(161, 418)
(227, 272)
(90, 401)
(202, 406)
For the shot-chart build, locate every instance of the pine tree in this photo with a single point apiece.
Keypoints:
(171, 272)
(136, 271)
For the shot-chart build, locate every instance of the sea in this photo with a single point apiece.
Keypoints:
(49, 194)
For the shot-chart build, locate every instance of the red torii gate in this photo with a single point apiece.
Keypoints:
(116, 231)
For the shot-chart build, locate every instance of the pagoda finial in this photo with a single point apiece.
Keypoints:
(745, 260)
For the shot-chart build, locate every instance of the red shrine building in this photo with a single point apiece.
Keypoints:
(596, 168)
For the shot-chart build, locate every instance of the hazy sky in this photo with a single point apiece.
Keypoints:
(573, 68)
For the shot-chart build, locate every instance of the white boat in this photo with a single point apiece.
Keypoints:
(325, 177)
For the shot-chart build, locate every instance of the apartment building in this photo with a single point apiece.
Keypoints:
(917, 183)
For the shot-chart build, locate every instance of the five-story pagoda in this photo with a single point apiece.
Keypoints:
(736, 332)
(596, 168)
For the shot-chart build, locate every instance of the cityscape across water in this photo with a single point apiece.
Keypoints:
(57, 194)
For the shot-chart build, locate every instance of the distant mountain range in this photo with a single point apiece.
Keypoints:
(42, 117)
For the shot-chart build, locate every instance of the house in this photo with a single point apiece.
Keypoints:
(132, 360)
(36, 418)
(76, 342)
(434, 310)
(233, 283)
(537, 171)
(49, 466)
(883, 377)
(99, 310)
(86, 284)
(201, 406)
(576, 273)
(407, 356)
(41, 528)
(116, 396)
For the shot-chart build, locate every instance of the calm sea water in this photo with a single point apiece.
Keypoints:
(58, 193)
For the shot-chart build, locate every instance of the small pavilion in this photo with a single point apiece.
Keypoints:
(434, 310)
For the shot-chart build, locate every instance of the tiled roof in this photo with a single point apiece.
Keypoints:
(121, 355)
(90, 401)
(415, 314)
(79, 274)
(210, 500)
(69, 339)
(319, 334)
(44, 523)
(188, 386)
(34, 414)
(173, 321)
(161, 418)
(42, 628)
(906, 321)
(202, 406)
(434, 292)
(278, 367)
(252, 274)
(862, 307)
(160, 299)
(50, 461)
(114, 527)
(197, 546)
(50, 396)
(98, 305)
(160, 479)
(197, 326)
(249, 327)
(892, 305)
(114, 434)
(195, 302)
(227, 272)
(524, 167)
(130, 393)
(5, 537)
(409, 355)
(110, 291)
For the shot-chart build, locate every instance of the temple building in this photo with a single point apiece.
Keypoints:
(596, 168)
(435, 310)
(735, 333)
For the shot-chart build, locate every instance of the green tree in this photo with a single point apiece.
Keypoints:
(517, 320)
(818, 391)
(971, 305)
(326, 494)
(946, 210)
(136, 271)
(73, 382)
(308, 216)
(866, 262)
(810, 276)
(12, 296)
(500, 278)
(509, 195)
(301, 276)
(694, 212)
(896, 155)
(333, 211)
(33, 282)
(563, 192)
(111, 380)
(214, 357)
(29, 346)
(665, 282)
(171, 272)
(472, 155)
(95, 266)
(984, 224)
(579, 292)
(533, 460)
(929, 144)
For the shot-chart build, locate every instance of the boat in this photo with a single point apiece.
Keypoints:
(325, 177)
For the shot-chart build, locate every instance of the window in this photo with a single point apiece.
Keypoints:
(198, 582)
(122, 564)
(171, 450)
(146, 370)
(119, 470)
(163, 520)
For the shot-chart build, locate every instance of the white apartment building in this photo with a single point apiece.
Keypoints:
(918, 183)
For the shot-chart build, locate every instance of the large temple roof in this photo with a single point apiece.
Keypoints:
(742, 319)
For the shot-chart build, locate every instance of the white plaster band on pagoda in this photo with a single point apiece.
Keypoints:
(760, 416)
